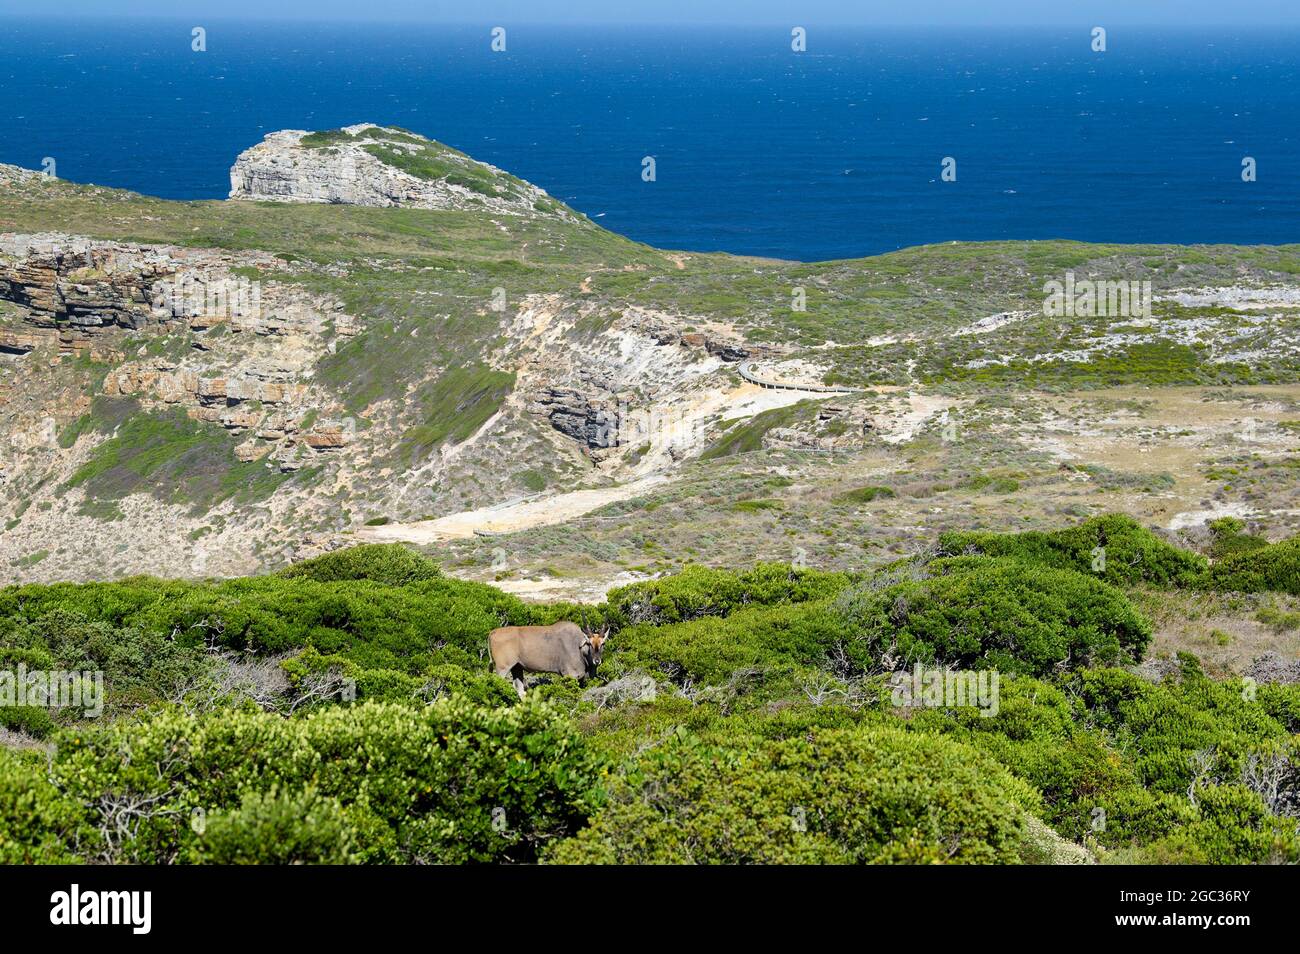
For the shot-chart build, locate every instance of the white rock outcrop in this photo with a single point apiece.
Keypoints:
(17, 175)
(372, 165)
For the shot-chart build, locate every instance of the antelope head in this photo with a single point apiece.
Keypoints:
(593, 647)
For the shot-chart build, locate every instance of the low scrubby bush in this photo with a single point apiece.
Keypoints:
(38, 823)
(450, 783)
(853, 796)
(1006, 614)
(1142, 767)
(1232, 826)
(1274, 567)
(1114, 548)
(389, 564)
(699, 591)
(712, 650)
(407, 627)
(270, 828)
(1035, 734)
(865, 494)
(1228, 537)
(1179, 724)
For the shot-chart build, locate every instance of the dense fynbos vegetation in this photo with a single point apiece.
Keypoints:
(344, 711)
(1271, 568)
(385, 782)
(699, 591)
(1114, 548)
(855, 796)
(977, 613)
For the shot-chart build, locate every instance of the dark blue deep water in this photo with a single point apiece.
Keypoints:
(830, 153)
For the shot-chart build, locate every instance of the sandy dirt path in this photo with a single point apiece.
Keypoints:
(656, 469)
(510, 516)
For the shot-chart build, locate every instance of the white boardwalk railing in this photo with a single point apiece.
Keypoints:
(747, 373)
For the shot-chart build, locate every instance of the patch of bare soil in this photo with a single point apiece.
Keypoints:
(508, 517)
(1222, 630)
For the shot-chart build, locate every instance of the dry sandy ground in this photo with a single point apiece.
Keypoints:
(1178, 432)
(684, 436)
(582, 590)
(920, 408)
(510, 516)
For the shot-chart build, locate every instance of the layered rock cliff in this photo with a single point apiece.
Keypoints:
(81, 296)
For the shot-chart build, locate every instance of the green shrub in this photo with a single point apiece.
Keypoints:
(856, 796)
(1271, 568)
(450, 783)
(1034, 734)
(29, 720)
(1229, 538)
(426, 622)
(1165, 726)
(1136, 767)
(1232, 826)
(140, 667)
(325, 138)
(1281, 621)
(712, 650)
(700, 591)
(993, 485)
(1132, 553)
(387, 685)
(1281, 703)
(276, 829)
(38, 825)
(1010, 615)
(756, 506)
(388, 563)
(865, 495)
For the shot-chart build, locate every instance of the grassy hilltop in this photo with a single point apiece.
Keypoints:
(432, 387)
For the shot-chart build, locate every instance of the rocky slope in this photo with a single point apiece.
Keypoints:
(252, 344)
(188, 410)
(217, 388)
(370, 165)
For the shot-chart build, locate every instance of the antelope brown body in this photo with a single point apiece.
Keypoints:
(561, 648)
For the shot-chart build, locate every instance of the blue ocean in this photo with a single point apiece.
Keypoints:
(829, 153)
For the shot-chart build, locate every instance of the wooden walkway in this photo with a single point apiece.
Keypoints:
(752, 378)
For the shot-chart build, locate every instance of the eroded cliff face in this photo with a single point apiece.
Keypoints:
(180, 327)
(101, 340)
(135, 381)
(370, 165)
(189, 411)
(74, 290)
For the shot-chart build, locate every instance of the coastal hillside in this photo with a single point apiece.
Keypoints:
(972, 553)
(378, 338)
